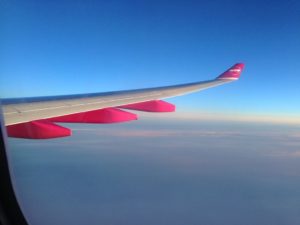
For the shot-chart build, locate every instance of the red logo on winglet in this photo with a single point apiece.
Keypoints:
(232, 73)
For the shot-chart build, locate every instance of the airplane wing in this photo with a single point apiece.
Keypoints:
(35, 117)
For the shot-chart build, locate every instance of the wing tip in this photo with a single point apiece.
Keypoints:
(233, 73)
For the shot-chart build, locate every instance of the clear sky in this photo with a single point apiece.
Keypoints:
(67, 47)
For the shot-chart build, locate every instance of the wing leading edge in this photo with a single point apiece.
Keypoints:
(18, 112)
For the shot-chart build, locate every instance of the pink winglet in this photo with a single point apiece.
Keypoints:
(108, 115)
(233, 73)
(37, 130)
(151, 106)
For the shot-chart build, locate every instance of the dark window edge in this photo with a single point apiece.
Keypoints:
(10, 211)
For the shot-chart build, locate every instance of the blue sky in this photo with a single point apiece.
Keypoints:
(66, 47)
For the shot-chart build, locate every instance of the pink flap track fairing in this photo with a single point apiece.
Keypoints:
(45, 129)
(108, 115)
(37, 130)
(151, 106)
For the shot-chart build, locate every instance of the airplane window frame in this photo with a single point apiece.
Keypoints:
(10, 210)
